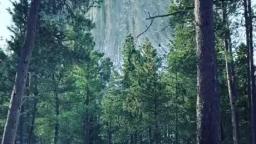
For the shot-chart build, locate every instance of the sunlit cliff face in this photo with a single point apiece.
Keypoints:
(115, 19)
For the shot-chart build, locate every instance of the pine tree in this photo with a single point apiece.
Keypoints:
(22, 70)
(208, 104)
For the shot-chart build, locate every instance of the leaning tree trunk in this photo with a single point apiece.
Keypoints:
(208, 101)
(11, 125)
(232, 91)
(231, 82)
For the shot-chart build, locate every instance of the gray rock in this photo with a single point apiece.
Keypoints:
(115, 19)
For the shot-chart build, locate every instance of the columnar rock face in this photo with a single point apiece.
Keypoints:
(115, 19)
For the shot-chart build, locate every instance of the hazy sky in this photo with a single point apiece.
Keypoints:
(5, 20)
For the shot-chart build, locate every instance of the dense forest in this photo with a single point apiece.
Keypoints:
(56, 88)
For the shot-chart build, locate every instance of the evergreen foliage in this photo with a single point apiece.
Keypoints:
(74, 94)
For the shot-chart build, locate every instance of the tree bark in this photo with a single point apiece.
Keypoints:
(150, 141)
(251, 77)
(87, 128)
(231, 80)
(109, 133)
(20, 136)
(88, 117)
(57, 111)
(208, 101)
(252, 81)
(11, 125)
(176, 107)
(32, 127)
(156, 127)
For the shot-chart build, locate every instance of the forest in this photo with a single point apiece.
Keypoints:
(56, 87)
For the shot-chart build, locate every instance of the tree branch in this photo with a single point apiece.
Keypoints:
(169, 14)
(147, 28)
(161, 16)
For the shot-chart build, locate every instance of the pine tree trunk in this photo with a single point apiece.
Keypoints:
(176, 108)
(150, 136)
(252, 71)
(21, 127)
(251, 77)
(141, 138)
(20, 81)
(208, 101)
(32, 126)
(156, 127)
(87, 137)
(57, 112)
(232, 90)
(87, 120)
(135, 136)
(109, 133)
(231, 81)
(31, 135)
(56, 128)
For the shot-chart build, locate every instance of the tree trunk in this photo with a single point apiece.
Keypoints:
(87, 120)
(20, 136)
(176, 108)
(57, 112)
(141, 138)
(251, 77)
(31, 135)
(87, 130)
(109, 133)
(32, 126)
(150, 136)
(231, 80)
(11, 125)
(135, 136)
(208, 101)
(156, 127)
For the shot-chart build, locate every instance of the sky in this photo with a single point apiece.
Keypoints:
(5, 21)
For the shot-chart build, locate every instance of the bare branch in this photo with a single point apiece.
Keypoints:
(161, 16)
(169, 14)
(147, 28)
